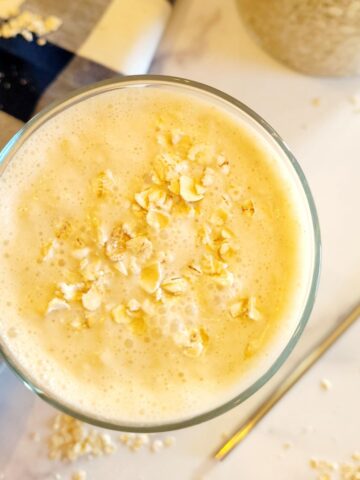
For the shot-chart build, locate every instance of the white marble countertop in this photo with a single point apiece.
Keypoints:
(207, 42)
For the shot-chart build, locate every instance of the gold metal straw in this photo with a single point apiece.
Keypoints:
(285, 386)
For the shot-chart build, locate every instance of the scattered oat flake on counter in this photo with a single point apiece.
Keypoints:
(79, 475)
(329, 470)
(315, 102)
(71, 439)
(156, 445)
(135, 441)
(169, 441)
(287, 445)
(15, 21)
(325, 384)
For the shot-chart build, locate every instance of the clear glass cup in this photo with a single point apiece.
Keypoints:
(273, 140)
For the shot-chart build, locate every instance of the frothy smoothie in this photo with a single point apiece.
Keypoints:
(151, 256)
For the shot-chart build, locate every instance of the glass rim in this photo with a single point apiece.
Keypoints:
(80, 94)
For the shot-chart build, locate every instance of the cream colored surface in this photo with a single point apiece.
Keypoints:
(101, 305)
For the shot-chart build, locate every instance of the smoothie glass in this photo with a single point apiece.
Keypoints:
(254, 122)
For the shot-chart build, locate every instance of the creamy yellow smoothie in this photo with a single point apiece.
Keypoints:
(151, 256)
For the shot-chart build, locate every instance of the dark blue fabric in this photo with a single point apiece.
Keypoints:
(26, 69)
